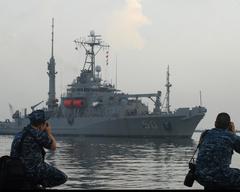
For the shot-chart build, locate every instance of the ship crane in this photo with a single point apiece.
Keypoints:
(11, 109)
(156, 102)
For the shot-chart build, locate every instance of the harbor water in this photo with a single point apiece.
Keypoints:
(122, 163)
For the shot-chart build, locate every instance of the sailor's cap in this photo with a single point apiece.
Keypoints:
(38, 116)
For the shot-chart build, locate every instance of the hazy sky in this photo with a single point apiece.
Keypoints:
(198, 39)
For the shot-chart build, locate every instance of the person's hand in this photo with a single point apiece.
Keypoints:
(232, 127)
(48, 128)
(42, 128)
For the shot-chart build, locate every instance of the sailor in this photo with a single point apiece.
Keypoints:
(29, 145)
(215, 154)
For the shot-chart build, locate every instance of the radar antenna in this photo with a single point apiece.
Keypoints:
(89, 46)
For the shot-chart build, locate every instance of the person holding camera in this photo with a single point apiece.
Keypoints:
(29, 145)
(215, 154)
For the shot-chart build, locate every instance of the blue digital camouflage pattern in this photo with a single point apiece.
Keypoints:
(38, 116)
(214, 159)
(32, 153)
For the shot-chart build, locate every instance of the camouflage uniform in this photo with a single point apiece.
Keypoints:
(214, 159)
(38, 171)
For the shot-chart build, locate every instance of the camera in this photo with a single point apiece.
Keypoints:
(190, 177)
(192, 166)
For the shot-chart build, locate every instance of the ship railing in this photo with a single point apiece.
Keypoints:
(142, 95)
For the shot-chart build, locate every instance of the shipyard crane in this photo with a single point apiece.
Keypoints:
(10, 109)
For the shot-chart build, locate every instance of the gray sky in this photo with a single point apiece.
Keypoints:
(199, 39)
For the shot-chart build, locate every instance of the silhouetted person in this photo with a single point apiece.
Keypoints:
(215, 154)
(35, 137)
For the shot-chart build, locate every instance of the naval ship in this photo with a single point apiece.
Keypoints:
(92, 107)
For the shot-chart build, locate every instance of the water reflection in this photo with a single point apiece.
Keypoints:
(123, 163)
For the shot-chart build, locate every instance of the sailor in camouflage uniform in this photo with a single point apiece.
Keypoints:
(29, 145)
(215, 155)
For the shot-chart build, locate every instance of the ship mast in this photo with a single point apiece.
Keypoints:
(89, 46)
(168, 86)
(52, 101)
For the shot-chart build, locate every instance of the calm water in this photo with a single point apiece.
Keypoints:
(121, 163)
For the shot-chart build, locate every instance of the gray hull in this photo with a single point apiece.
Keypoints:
(145, 126)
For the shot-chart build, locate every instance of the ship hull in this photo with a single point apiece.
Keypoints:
(140, 126)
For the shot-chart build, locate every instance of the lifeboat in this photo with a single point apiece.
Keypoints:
(68, 103)
(77, 103)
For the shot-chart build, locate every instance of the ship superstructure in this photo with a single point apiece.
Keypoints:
(89, 96)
